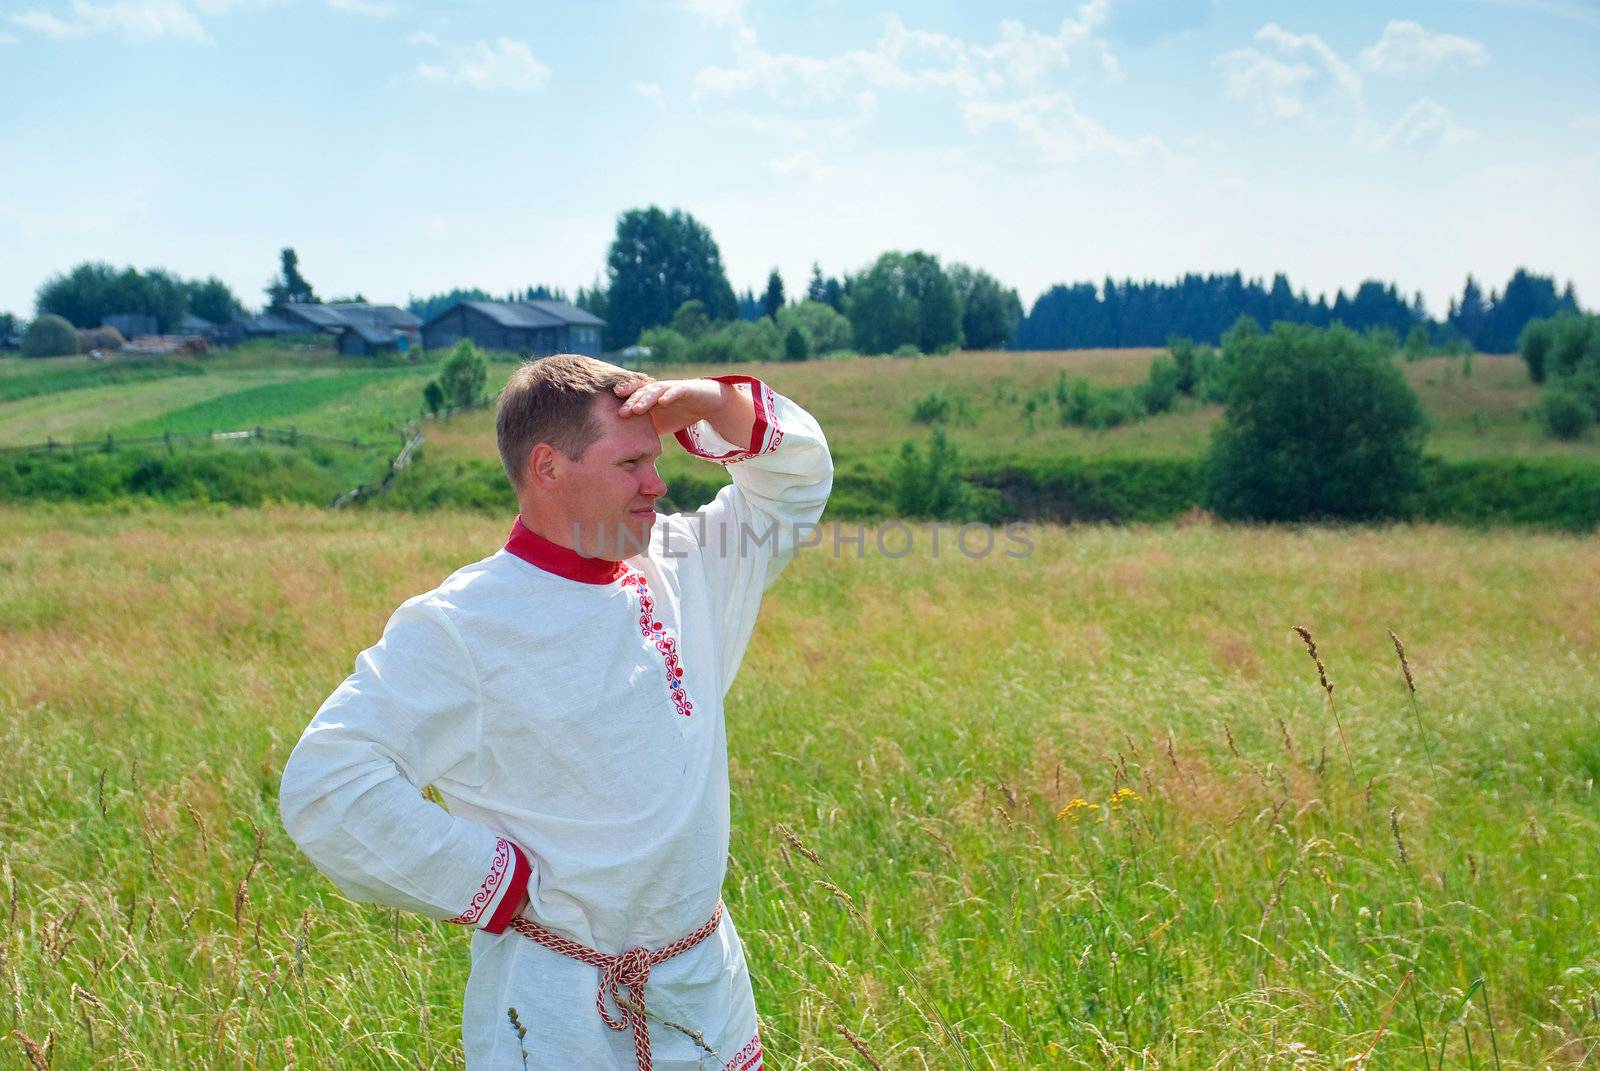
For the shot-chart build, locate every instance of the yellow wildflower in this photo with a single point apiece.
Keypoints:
(1073, 807)
(1121, 796)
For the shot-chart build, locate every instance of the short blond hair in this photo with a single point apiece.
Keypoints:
(551, 400)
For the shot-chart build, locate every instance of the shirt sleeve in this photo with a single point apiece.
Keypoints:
(351, 793)
(750, 531)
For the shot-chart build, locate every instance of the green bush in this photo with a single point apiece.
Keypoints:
(739, 340)
(1564, 413)
(464, 374)
(691, 320)
(908, 349)
(932, 408)
(1561, 345)
(433, 397)
(824, 327)
(666, 345)
(1319, 424)
(1159, 392)
(796, 347)
(1564, 353)
(1547, 492)
(714, 347)
(929, 485)
(940, 406)
(235, 475)
(50, 336)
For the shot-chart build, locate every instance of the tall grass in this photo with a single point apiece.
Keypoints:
(1081, 803)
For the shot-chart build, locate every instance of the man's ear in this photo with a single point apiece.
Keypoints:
(543, 466)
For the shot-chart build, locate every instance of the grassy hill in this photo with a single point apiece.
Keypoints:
(1001, 417)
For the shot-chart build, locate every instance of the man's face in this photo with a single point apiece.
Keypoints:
(609, 494)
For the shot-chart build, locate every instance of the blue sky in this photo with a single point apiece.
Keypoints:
(404, 148)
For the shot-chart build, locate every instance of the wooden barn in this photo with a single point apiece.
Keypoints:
(531, 328)
(372, 329)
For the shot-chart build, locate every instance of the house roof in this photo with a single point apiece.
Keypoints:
(568, 312)
(195, 325)
(525, 314)
(266, 324)
(388, 315)
(326, 317)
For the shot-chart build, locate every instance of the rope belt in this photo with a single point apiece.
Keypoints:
(630, 970)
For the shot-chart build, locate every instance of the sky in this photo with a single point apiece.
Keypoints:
(405, 148)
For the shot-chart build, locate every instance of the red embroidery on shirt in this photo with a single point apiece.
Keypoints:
(491, 884)
(665, 643)
(766, 427)
(748, 1058)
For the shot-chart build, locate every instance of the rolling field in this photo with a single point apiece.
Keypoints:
(865, 403)
(1089, 807)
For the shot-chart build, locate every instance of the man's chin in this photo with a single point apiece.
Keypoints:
(633, 535)
(618, 539)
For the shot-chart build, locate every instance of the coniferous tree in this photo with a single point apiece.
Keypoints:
(772, 300)
(289, 287)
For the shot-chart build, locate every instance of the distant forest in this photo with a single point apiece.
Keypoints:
(1202, 307)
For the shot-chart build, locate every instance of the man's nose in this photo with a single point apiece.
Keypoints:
(652, 485)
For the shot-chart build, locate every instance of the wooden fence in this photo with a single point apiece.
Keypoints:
(171, 439)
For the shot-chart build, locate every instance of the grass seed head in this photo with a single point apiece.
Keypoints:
(1405, 664)
(860, 1046)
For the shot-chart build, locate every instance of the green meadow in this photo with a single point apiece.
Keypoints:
(1086, 807)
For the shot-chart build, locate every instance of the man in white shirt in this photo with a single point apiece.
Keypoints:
(564, 697)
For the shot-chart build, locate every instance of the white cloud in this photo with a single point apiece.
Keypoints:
(1008, 83)
(138, 21)
(1061, 133)
(1407, 50)
(1425, 122)
(377, 9)
(1298, 77)
(1290, 75)
(8, 38)
(423, 39)
(907, 60)
(650, 91)
(507, 64)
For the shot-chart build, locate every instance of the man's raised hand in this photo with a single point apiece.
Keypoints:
(673, 404)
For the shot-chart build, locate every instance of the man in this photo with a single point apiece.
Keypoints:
(564, 697)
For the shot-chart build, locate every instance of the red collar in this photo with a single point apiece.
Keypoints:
(536, 550)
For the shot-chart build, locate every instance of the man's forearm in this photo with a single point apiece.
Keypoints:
(735, 420)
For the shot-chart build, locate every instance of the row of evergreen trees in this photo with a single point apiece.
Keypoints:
(1203, 307)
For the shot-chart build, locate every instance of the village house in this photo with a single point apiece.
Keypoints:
(372, 329)
(531, 328)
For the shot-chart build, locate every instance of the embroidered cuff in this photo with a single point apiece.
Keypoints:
(701, 440)
(498, 898)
